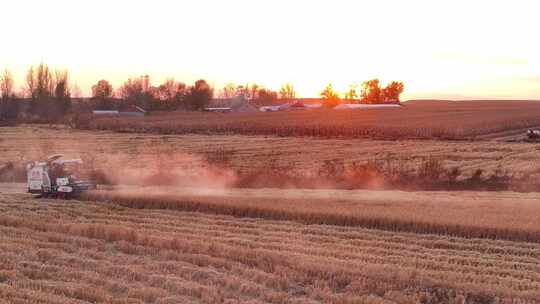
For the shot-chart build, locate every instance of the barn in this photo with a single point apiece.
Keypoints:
(353, 106)
(131, 110)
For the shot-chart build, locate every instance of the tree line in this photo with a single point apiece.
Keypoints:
(371, 93)
(170, 95)
(49, 93)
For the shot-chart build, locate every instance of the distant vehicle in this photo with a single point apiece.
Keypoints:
(56, 178)
(533, 134)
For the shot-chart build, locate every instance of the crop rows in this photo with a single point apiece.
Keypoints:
(416, 120)
(74, 252)
(509, 219)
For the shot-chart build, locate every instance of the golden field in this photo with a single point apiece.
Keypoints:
(469, 214)
(197, 240)
(133, 151)
(55, 251)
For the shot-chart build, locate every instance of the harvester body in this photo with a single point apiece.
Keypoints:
(533, 134)
(51, 178)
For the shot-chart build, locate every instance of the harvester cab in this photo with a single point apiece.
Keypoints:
(56, 177)
(533, 134)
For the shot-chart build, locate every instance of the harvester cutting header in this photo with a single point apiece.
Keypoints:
(56, 177)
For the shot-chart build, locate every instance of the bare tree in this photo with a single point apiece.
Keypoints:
(287, 91)
(266, 96)
(136, 91)
(40, 82)
(253, 91)
(6, 84)
(168, 95)
(76, 91)
(351, 93)
(62, 94)
(8, 107)
(44, 81)
(50, 93)
(173, 89)
(61, 85)
(30, 83)
(228, 91)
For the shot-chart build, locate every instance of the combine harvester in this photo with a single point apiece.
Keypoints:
(56, 178)
(533, 135)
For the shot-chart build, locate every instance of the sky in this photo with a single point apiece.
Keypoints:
(440, 49)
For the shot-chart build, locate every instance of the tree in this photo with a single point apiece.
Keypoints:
(330, 97)
(50, 93)
(392, 92)
(30, 84)
(371, 91)
(62, 94)
(241, 91)
(199, 95)
(173, 89)
(228, 91)
(169, 95)
(102, 90)
(266, 96)
(136, 91)
(102, 93)
(6, 84)
(351, 93)
(287, 91)
(253, 91)
(76, 91)
(61, 90)
(40, 82)
(131, 90)
(9, 107)
(44, 82)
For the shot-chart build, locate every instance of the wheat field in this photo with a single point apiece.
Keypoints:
(83, 252)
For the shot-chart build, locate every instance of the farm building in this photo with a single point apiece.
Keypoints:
(132, 110)
(353, 106)
(105, 112)
(238, 104)
(241, 104)
(270, 108)
(218, 109)
(301, 105)
(296, 105)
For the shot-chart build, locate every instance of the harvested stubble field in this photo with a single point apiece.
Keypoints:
(415, 120)
(78, 252)
(131, 152)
